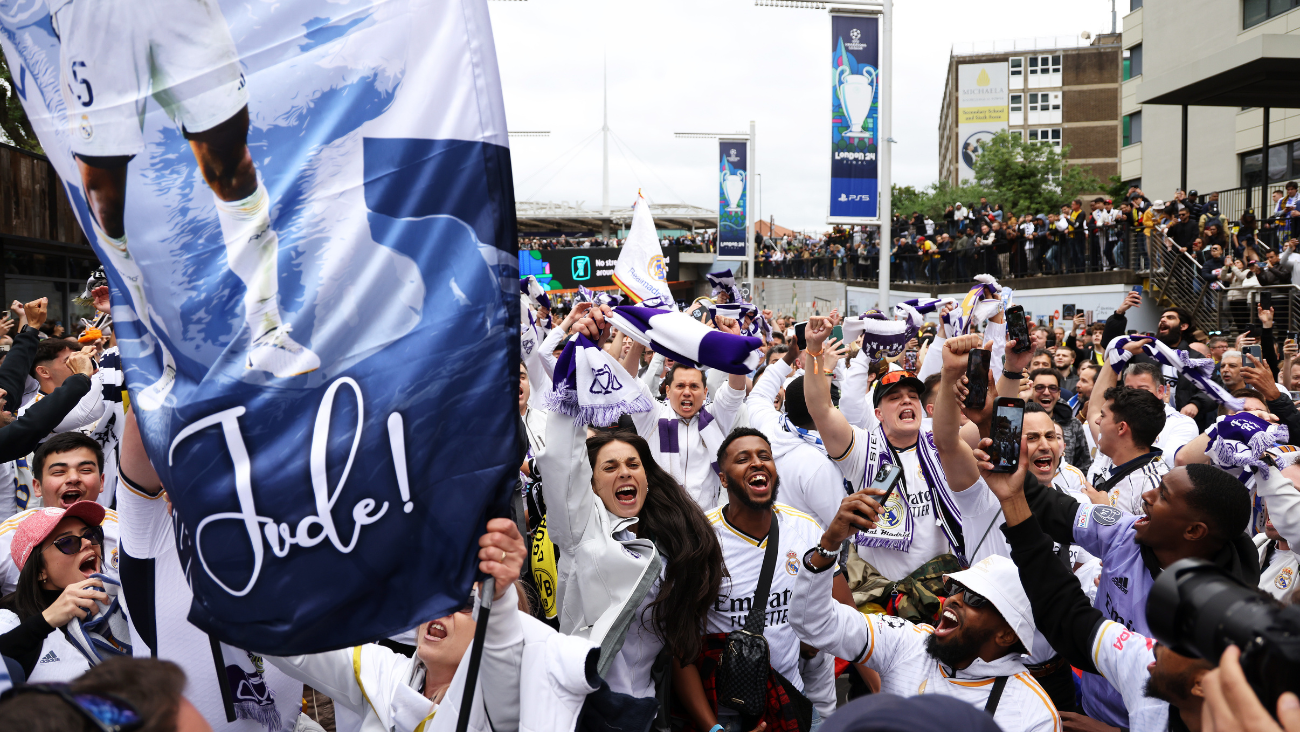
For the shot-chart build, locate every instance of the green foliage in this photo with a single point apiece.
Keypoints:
(1030, 177)
(13, 119)
(935, 198)
(1117, 190)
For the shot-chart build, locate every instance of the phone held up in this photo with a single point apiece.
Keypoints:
(1018, 329)
(886, 479)
(977, 377)
(1008, 419)
(799, 335)
(1254, 351)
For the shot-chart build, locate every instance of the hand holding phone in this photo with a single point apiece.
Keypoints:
(799, 335)
(1018, 329)
(887, 478)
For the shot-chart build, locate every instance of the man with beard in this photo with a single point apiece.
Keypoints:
(1195, 511)
(1042, 447)
(1174, 330)
(922, 534)
(1140, 671)
(743, 525)
(975, 653)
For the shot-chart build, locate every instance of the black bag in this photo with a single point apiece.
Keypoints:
(745, 664)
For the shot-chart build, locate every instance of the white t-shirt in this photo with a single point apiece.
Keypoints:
(1178, 431)
(147, 534)
(9, 570)
(928, 540)
(743, 557)
(1122, 657)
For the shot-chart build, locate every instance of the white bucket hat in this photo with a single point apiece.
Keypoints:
(996, 578)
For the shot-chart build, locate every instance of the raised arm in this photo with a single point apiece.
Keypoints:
(955, 455)
(853, 397)
(835, 430)
(1106, 378)
(13, 372)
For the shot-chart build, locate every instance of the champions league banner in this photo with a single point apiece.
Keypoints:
(305, 211)
(733, 199)
(855, 119)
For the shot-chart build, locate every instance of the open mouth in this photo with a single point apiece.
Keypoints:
(1043, 462)
(89, 565)
(626, 494)
(907, 414)
(1046, 402)
(70, 497)
(435, 632)
(759, 483)
(1145, 518)
(687, 405)
(948, 623)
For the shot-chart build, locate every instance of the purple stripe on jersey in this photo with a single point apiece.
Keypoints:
(668, 436)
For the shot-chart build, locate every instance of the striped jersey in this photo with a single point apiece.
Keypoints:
(1126, 494)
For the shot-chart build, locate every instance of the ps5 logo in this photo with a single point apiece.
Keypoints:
(732, 156)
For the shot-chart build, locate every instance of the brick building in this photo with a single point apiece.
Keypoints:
(1059, 95)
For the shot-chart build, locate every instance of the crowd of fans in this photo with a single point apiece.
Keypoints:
(703, 242)
(734, 551)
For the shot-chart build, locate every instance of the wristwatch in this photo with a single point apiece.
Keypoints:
(1013, 375)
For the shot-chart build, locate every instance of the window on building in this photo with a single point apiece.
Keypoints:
(32, 274)
(1133, 62)
(1254, 12)
(1050, 135)
(1017, 102)
(1132, 124)
(1017, 109)
(1134, 5)
(1283, 165)
(1017, 66)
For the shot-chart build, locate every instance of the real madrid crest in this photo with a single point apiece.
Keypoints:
(791, 563)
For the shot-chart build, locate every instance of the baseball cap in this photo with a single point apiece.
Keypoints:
(997, 579)
(36, 528)
(896, 380)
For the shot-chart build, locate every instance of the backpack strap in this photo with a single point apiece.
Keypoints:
(757, 618)
(995, 696)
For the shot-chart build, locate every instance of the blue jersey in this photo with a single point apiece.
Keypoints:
(1107, 533)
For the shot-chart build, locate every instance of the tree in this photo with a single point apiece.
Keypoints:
(935, 198)
(13, 118)
(1030, 177)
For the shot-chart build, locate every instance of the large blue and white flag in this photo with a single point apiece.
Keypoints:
(306, 214)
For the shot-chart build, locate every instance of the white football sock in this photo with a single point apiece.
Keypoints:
(252, 248)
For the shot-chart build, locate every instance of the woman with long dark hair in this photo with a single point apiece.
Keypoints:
(640, 565)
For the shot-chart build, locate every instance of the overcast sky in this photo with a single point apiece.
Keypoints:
(712, 66)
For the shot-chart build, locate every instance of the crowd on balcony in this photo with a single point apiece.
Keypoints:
(702, 242)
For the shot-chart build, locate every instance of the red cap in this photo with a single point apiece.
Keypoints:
(37, 526)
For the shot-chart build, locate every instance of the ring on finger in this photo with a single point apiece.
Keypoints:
(503, 556)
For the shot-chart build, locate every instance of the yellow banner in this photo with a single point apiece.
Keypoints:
(543, 563)
(969, 115)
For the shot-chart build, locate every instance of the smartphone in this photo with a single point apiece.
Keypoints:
(909, 361)
(1254, 351)
(1067, 312)
(886, 479)
(1256, 332)
(1018, 329)
(977, 376)
(837, 333)
(799, 335)
(1137, 289)
(1008, 418)
(1266, 299)
(1295, 396)
(1293, 336)
(1087, 317)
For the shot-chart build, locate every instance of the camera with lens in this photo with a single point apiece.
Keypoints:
(1198, 610)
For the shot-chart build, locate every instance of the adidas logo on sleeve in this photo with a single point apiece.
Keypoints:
(1121, 583)
(50, 658)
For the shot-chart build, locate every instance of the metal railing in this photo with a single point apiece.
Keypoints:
(1177, 278)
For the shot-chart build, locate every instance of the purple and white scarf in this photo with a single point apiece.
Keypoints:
(536, 294)
(599, 297)
(724, 281)
(592, 387)
(982, 302)
(758, 327)
(685, 340)
(882, 337)
(1199, 370)
(897, 535)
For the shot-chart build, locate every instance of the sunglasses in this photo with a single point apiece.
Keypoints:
(893, 377)
(107, 713)
(971, 598)
(1052, 388)
(72, 544)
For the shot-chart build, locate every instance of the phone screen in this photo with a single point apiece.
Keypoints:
(1067, 312)
(1018, 329)
(1008, 417)
(1137, 289)
(977, 373)
(799, 335)
(1266, 300)
(909, 360)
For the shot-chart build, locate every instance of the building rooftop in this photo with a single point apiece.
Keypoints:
(1040, 43)
(546, 216)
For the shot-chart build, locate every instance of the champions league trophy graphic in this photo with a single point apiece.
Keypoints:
(733, 185)
(856, 92)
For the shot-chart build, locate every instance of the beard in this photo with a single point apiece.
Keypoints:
(955, 651)
(739, 492)
(1171, 337)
